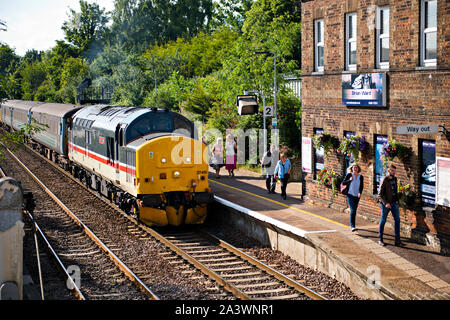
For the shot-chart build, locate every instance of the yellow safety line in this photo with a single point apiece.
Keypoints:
(281, 204)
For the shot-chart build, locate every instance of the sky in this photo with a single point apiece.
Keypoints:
(36, 24)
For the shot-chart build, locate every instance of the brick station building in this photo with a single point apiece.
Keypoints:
(404, 46)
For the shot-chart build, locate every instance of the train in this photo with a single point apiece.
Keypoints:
(147, 161)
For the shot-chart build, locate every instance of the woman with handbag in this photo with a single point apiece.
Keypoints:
(353, 186)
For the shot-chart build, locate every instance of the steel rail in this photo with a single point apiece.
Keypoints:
(260, 265)
(115, 259)
(227, 285)
(75, 288)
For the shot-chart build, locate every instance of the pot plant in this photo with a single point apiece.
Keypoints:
(329, 178)
(353, 146)
(393, 149)
(326, 141)
(406, 196)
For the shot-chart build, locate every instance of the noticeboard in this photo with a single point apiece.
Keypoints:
(306, 154)
(443, 181)
(364, 89)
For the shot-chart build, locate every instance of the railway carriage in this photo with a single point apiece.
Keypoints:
(57, 118)
(146, 160)
(16, 113)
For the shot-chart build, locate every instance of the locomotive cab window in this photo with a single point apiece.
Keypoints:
(149, 123)
(182, 126)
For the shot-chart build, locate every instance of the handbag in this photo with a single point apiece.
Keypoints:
(344, 188)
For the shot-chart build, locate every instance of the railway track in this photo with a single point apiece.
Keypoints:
(232, 270)
(238, 272)
(75, 247)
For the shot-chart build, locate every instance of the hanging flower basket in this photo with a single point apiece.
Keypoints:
(406, 196)
(326, 141)
(353, 146)
(393, 149)
(330, 179)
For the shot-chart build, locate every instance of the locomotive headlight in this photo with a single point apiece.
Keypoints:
(176, 174)
(163, 160)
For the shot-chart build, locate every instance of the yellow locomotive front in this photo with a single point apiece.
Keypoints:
(172, 181)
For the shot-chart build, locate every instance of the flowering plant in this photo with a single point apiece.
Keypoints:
(326, 141)
(329, 178)
(353, 145)
(392, 149)
(405, 195)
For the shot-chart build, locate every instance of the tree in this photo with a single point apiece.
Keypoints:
(73, 72)
(86, 29)
(230, 13)
(33, 75)
(8, 63)
(138, 24)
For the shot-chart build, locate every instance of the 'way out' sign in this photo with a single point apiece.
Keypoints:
(416, 129)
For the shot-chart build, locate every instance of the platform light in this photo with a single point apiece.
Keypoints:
(246, 104)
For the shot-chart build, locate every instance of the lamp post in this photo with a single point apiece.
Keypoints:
(264, 114)
(270, 53)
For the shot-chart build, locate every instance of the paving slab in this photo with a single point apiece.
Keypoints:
(409, 272)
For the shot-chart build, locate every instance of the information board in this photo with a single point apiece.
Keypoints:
(443, 181)
(365, 89)
(306, 154)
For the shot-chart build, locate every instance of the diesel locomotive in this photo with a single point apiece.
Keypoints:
(147, 161)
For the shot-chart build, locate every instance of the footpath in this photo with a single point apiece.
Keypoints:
(412, 271)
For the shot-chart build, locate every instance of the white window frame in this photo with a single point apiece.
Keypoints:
(423, 32)
(318, 24)
(380, 36)
(348, 40)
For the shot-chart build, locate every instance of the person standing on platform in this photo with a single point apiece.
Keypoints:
(217, 157)
(356, 182)
(388, 196)
(268, 163)
(283, 171)
(230, 149)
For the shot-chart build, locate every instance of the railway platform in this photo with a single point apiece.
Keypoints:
(320, 238)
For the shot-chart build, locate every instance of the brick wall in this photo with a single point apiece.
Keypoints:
(416, 95)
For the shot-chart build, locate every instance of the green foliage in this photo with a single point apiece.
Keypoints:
(85, 29)
(73, 72)
(406, 196)
(326, 141)
(15, 139)
(33, 75)
(393, 149)
(198, 53)
(230, 13)
(329, 178)
(289, 122)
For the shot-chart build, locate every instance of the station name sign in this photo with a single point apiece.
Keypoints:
(416, 129)
(364, 89)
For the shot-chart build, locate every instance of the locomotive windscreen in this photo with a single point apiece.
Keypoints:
(149, 123)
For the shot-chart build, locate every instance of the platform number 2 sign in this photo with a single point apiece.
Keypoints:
(268, 111)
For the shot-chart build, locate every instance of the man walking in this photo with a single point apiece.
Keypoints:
(388, 196)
